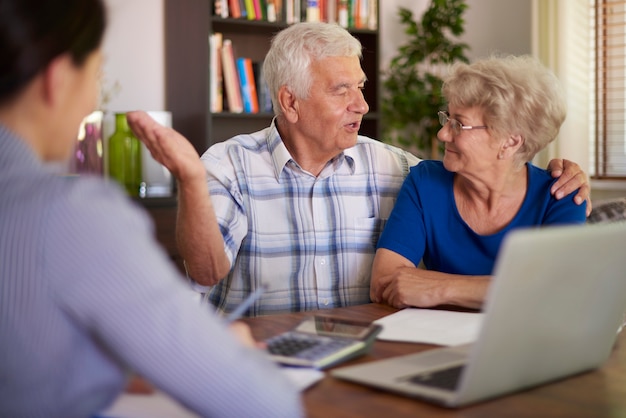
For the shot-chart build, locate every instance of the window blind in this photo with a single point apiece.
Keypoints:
(609, 154)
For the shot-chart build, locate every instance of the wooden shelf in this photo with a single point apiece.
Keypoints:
(188, 24)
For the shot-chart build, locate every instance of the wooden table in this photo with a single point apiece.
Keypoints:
(600, 393)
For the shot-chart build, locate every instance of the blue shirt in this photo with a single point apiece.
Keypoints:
(310, 239)
(86, 296)
(426, 224)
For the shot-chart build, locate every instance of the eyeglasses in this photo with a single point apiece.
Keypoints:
(455, 125)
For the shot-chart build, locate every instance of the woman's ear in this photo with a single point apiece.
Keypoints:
(512, 143)
(56, 78)
(288, 104)
(516, 141)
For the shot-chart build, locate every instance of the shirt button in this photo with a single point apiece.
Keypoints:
(323, 262)
(325, 301)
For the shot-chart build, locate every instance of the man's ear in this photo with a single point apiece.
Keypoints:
(288, 104)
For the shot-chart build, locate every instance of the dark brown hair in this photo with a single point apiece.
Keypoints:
(34, 32)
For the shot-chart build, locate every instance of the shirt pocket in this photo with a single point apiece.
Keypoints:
(366, 233)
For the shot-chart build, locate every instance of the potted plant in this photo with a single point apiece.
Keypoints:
(412, 84)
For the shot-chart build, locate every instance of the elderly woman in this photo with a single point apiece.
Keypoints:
(453, 214)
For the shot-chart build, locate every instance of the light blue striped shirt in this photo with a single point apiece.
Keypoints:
(86, 295)
(310, 239)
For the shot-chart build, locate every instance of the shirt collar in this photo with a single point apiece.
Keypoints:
(277, 149)
(281, 156)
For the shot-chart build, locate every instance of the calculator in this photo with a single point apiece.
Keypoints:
(322, 341)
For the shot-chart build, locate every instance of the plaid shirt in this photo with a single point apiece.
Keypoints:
(311, 240)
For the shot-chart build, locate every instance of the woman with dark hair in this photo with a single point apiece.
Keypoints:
(86, 295)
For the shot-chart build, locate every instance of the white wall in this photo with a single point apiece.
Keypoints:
(491, 26)
(134, 55)
(135, 37)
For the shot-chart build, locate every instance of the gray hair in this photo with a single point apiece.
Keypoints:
(296, 47)
(517, 95)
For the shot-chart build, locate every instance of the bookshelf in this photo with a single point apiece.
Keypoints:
(188, 24)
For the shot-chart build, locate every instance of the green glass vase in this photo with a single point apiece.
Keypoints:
(125, 156)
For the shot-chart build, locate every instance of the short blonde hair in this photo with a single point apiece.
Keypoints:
(517, 94)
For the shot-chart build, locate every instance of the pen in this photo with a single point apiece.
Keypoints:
(239, 310)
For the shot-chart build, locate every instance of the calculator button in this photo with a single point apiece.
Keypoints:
(290, 346)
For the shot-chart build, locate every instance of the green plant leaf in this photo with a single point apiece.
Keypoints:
(411, 91)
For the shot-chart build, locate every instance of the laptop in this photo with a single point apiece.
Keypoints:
(555, 305)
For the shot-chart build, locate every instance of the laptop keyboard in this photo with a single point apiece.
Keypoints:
(442, 379)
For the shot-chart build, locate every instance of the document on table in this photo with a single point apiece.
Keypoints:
(431, 326)
(302, 377)
(153, 405)
(160, 405)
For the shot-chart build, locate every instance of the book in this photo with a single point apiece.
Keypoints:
(258, 13)
(279, 7)
(263, 90)
(234, 9)
(342, 13)
(289, 8)
(251, 15)
(272, 16)
(357, 13)
(364, 10)
(231, 79)
(220, 8)
(215, 73)
(331, 11)
(353, 9)
(263, 4)
(297, 11)
(312, 11)
(247, 85)
(372, 16)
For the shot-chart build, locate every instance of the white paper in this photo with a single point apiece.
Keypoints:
(431, 326)
(160, 405)
(302, 377)
(154, 405)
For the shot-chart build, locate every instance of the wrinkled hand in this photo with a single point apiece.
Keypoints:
(570, 178)
(408, 286)
(378, 287)
(167, 146)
